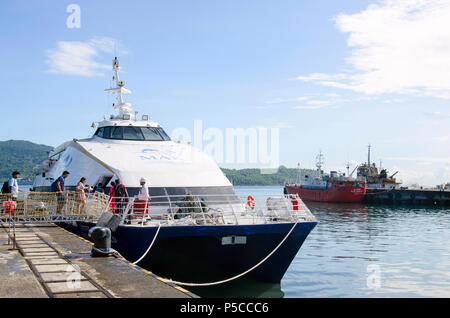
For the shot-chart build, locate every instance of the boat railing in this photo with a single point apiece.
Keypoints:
(211, 209)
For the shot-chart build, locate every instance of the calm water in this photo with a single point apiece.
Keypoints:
(361, 251)
(408, 247)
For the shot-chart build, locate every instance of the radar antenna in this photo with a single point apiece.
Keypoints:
(319, 161)
(122, 107)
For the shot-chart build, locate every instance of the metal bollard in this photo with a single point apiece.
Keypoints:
(102, 241)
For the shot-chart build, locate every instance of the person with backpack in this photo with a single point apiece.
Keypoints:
(58, 187)
(112, 199)
(12, 187)
(121, 196)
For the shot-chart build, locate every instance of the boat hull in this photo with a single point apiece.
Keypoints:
(197, 254)
(333, 194)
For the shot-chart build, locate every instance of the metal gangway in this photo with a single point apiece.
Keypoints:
(50, 207)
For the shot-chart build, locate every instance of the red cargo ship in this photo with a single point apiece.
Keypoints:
(328, 188)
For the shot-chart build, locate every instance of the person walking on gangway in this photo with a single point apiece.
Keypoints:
(81, 195)
(58, 187)
(112, 198)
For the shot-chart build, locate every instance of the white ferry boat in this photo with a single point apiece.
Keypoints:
(196, 228)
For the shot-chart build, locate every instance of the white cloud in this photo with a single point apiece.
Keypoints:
(282, 125)
(422, 159)
(398, 46)
(307, 107)
(286, 100)
(322, 76)
(78, 58)
(441, 138)
(319, 102)
(429, 177)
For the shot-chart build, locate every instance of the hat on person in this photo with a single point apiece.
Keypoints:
(142, 180)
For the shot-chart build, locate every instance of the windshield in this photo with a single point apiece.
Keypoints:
(132, 133)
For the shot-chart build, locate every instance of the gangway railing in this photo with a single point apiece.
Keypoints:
(44, 207)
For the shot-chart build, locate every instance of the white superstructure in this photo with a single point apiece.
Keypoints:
(129, 148)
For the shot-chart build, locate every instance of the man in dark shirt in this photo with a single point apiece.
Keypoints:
(121, 195)
(58, 186)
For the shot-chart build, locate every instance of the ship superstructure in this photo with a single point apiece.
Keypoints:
(376, 178)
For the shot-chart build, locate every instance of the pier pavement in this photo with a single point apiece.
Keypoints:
(51, 262)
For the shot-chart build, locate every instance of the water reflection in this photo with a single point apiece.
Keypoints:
(241, 288)
(339, 212)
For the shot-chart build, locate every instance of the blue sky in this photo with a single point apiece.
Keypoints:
(331, 75)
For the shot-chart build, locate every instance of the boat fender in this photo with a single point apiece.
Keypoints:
(102, 241)
(251, 202)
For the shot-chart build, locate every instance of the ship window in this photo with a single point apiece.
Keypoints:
(151, 134)
(107, 132)
(132, 133)
(163, 134)
(99, 132)
(116, 133)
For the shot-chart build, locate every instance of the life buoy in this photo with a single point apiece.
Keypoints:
(251, 202)
(295, 204)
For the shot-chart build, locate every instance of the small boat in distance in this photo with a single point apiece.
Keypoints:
(321, 187)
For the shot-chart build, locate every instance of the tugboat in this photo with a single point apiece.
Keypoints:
(334, 187)
(196, 229)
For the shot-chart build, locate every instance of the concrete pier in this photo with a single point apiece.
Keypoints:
(52, 262)
(430, 197)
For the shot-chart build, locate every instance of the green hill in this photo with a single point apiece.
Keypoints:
(255, 177)
(22, 156)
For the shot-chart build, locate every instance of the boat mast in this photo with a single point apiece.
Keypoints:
(368, 160)
(319, 162)
(122, 107)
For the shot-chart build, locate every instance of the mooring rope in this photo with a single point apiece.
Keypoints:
(241, 274)
(150, 246)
